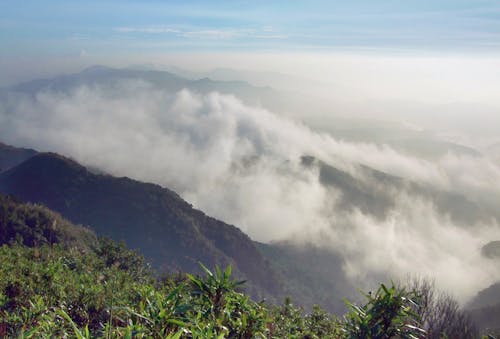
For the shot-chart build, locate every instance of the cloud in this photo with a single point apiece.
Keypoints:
(198, 34)
(243, 165)
(150, 29)
(208, 33)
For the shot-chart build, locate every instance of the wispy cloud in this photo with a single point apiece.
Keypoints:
(206, 33)
(149, 29)
(211, 34)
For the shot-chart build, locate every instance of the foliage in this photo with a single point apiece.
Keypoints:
(167, 230)
(390, 312)
(59, 280)
(50, 291)
(35, 225)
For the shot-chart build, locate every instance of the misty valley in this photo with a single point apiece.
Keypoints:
(137, 184)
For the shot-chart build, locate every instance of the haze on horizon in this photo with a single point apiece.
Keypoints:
(409, 61)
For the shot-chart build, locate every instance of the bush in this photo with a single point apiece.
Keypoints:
(389, 313)
(53, 291)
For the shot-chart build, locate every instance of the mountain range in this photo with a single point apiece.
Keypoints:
(174, 236)
(287, 102)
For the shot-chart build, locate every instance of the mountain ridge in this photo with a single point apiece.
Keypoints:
(155, 220)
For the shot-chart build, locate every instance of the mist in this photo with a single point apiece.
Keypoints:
(244, 165)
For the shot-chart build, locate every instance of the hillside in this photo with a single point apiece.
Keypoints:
(374, 193)
(164, 228)
(174, 236)
(11, 156)
(59, 281)
(36, 225)
(51, 288)
(311, 275)
(486, 318)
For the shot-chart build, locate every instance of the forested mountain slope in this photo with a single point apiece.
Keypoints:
(167, 230)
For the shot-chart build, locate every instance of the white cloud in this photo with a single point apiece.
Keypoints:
(206, 33)
(150, 29)
(242, 164)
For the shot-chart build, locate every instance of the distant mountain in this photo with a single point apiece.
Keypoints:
(167, 230)
(12, 156)
(431, 148)
(375, 193)
(288, 102)
(487, 319)
(485, 309)
(490, 296)
(485, 306)
(491, 250)
(110, 77)
(174, 236)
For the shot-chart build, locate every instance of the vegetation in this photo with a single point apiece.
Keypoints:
(440, 314)
(35, 225)
(60, 280)
(168, 231)
(52, 291)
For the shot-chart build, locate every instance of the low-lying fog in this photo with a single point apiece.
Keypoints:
(246, 163)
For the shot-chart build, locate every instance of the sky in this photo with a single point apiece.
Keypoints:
(419, 56)
(94, 27)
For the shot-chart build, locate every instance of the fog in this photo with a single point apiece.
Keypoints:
(451, 92)
(243, 165)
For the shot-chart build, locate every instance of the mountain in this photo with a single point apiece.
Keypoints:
(485, 309)
(312, 275)
(164, 228)
(491, 250)
(107, 77)
(485, 306)
(375, 193)
(486, 318)
(11, 156)
(292, 103)
(490, 296)
(174, 236)
(35, 225)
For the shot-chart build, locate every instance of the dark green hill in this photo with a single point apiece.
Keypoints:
(168, 231)
(36, 225)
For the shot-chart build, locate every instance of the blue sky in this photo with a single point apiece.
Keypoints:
(96, 27)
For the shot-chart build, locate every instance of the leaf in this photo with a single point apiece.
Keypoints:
(207, 271)
(177, 322)
(78, 334)
(228, 271)
(175, 336)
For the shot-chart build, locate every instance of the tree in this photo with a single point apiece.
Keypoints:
(441, 315)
